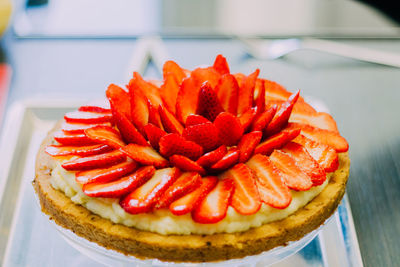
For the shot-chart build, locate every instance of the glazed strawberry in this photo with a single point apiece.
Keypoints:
(307, 164)
(189, 201)
(105, 135)
(154, 115)
(246, 119)
(245, 199)
(227, 91)
(227, 161)
(201, 75)
(120, 187)
(139, 107)
(260, 100)
(146, 196)
(246, 92)
(68, 139)
(106, 174)
(119, 99)
(145, 155)
(170, 68)
(208, 104)
(186, 164)
(195, 119)
(154, 135)
(230, 128)
(55, 150)
(263, 119)
(149, 90)
(247, 144)
(214, 206)
(186, 102)
(276, 141)
(221, 65)
(320, 120)
(87, 117)
(169, 121)
(169, 92)
(205, 135)
(273, 191)
(291, 174)
(96, 161)
(275, 91)
(325, 155)
(210, 158)
(300, 107)
(79, 128)
(172, 144)
(185, 184)
(96, 109)
(281, 117)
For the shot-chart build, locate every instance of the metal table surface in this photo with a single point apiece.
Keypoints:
(364, 99)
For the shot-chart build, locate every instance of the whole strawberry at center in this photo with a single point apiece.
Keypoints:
(203, 141)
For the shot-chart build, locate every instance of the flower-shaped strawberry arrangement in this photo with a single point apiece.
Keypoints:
(199, 142)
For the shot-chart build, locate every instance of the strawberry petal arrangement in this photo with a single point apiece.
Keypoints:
(198, 144)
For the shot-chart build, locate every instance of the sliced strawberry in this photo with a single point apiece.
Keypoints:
(320, 120)
(221, 65)
(263, 119)
(87, 117)
(105, 135)
(240, 77)
(305, 162)
(275, 91)
(79, 139)
(172, 144)
(246, 92)
(195, 119)
(185, 184)
(186, 102)
(247, 144)
(146, 196)
(210, 158)
(149, 90)
(119, 98)
(154, 135)
(208, 104)
(96, 161)
(106, 174)
(247, 118)
(145, 155)
(170, 123)
(201, 75)
(154, 115)
(325, 155)
(205, 135)
(96, 109)
(291, 174)
(186, 164)
(230, 128)
(191, 200)
(227, 91)
(326, 137)
(55, 150)
(228, 160)
(273, 191)
(169, 92)
(79, 128)
(276, 141)
(172, 69)
(246, 199)
(214, 206)
(139, 107)
(260, 100)
(300, 107)
(120, 187)
(281, 117)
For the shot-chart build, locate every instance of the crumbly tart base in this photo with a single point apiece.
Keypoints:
(187, 248)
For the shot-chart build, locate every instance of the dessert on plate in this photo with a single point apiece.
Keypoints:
(204, 166)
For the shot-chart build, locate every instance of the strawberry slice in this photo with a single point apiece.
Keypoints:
(149, 90)
(154, 115)
(228, 160)
(230, 128)
(246, 199)
(186, 102)
(325, 155)
(190, 201)
(320, 120)
(106, 174)
(260, 100)
(55, 150)
(139, 107)
(96, 109)
(172, 69)
(170, 123)
(291, 174)
(119, 98)
(275, 91)
(172, 144)
(273, 191)
(208, 104)
(247, 118)
(227, 91)
(185, 184)
(79, 139)
(186, 164)
(263, 119)
(195, 119)
(146, 196)
(79, 128)
(300, 107)
(246, 92)
(201, 75)
(154, 135)
(105, 135)
(221, 65)
(96, 161)
(210, 158)
(281, 117)
(87, 117)
(306, 163)
(276, 141)
(326, 137)
(214, 206)
(205, 135)
(121, 186)
(145, 155)
(247, 144)
(169, 92)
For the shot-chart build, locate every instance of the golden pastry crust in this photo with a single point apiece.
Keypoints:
(189, 248)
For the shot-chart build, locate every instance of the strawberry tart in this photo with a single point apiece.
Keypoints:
(204, 166)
